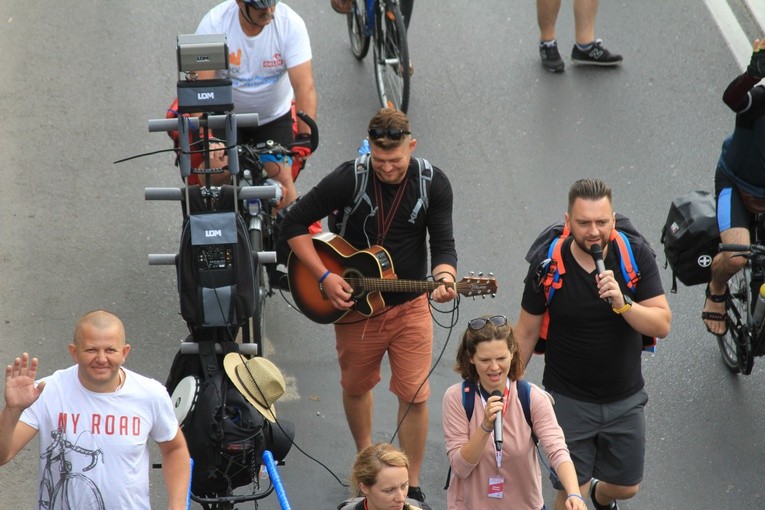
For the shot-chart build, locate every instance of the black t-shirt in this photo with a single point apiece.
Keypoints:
(407, 237)
(592, 354)
(744, 152)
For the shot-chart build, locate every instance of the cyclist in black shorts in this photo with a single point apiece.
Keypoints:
(739, 182)
(269, 66)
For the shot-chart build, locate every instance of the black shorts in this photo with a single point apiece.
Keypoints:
(279, 130)
(731, 211)
(606, 441)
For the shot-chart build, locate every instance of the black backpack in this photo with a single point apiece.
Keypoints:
(225, 434)
(691, 238)
(215, 266)
(337, 221)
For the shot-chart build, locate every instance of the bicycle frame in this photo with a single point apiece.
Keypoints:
(745, 340)
(369, 28)
(382, 22)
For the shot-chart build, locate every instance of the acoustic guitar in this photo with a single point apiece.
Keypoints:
(370, 272)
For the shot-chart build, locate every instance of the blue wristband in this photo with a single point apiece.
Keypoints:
(324, 277)
(576, 496)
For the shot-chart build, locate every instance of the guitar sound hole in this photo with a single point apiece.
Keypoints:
(353, 277)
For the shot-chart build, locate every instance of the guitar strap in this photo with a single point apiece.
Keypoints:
(361, 176)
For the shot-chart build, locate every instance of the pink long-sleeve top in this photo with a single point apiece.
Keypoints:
(469, 484)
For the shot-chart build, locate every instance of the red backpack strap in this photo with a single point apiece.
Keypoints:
(552, 281)
(627, 259)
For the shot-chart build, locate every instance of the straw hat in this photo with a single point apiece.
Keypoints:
(258, 380)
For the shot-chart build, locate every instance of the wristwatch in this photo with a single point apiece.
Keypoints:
(627, 305)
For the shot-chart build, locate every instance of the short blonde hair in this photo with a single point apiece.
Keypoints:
(371, 460)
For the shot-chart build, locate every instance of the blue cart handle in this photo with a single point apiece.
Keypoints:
(268, 458)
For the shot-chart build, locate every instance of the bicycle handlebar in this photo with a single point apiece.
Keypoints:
(212, 121)
(248, 349)
(245, 192)
(168, 259)
(746, 249)
(314, 139)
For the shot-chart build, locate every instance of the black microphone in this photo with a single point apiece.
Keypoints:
(498, 423)
(597, 255)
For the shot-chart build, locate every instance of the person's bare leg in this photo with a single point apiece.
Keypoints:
(724, 265)
(282, 173)
(358, 413)
(606, 492)
(585, 12)
(413, 435)
(547, 16)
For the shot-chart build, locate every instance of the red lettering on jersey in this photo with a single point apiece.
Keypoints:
(136, 426)
(109, 424)
(95, 424)
(63, 421)
(123, 426)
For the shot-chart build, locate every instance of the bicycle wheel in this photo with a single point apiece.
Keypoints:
(391, 55)
(77, 492)
(736, 344)
(46, 493)
(257, 321)
(357, 20)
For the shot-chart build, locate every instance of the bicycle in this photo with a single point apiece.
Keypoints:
(261, 220)
(73, 490)
(225, 226)
(382, 21)
(744, 340)
(255, 196)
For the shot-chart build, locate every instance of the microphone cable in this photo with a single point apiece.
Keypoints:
(454, 320)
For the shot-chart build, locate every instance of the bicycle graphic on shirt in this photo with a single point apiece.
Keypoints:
(73, 491)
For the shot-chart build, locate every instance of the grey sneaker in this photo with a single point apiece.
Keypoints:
(597, 55)
(551, 59)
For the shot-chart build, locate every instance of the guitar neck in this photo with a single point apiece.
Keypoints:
(416, 286)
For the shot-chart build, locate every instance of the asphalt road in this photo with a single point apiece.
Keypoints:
(81, 78)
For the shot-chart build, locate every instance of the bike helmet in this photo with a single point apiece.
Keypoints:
(260, 4)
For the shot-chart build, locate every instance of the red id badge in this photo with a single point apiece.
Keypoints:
(496, 487)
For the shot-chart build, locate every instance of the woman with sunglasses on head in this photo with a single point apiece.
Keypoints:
(380, 480)
(487, 471)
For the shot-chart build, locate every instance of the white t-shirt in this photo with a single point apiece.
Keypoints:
(105, 440)
(258, 65)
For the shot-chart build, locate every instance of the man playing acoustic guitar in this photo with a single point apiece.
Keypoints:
(395, 214)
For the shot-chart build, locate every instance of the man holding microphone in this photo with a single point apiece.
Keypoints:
(593, 346)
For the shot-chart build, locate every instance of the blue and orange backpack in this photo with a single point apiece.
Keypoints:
(545, 254)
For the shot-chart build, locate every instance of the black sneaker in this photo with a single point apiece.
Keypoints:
(598, 506)
(551, 59)
(597, 55)
(416, 494)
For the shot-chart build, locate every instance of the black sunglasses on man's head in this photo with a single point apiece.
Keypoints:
(393, 134)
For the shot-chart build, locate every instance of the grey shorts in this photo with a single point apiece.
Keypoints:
(606, 441)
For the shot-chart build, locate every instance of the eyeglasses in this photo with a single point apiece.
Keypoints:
(393, 134)
(479, 323)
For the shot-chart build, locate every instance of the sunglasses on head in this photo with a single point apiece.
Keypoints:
(480, 322)
(393, 134)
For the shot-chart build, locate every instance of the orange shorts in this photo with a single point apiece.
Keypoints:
(405, 332)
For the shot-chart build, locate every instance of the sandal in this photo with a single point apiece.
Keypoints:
(717, 316)
(341, 6)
